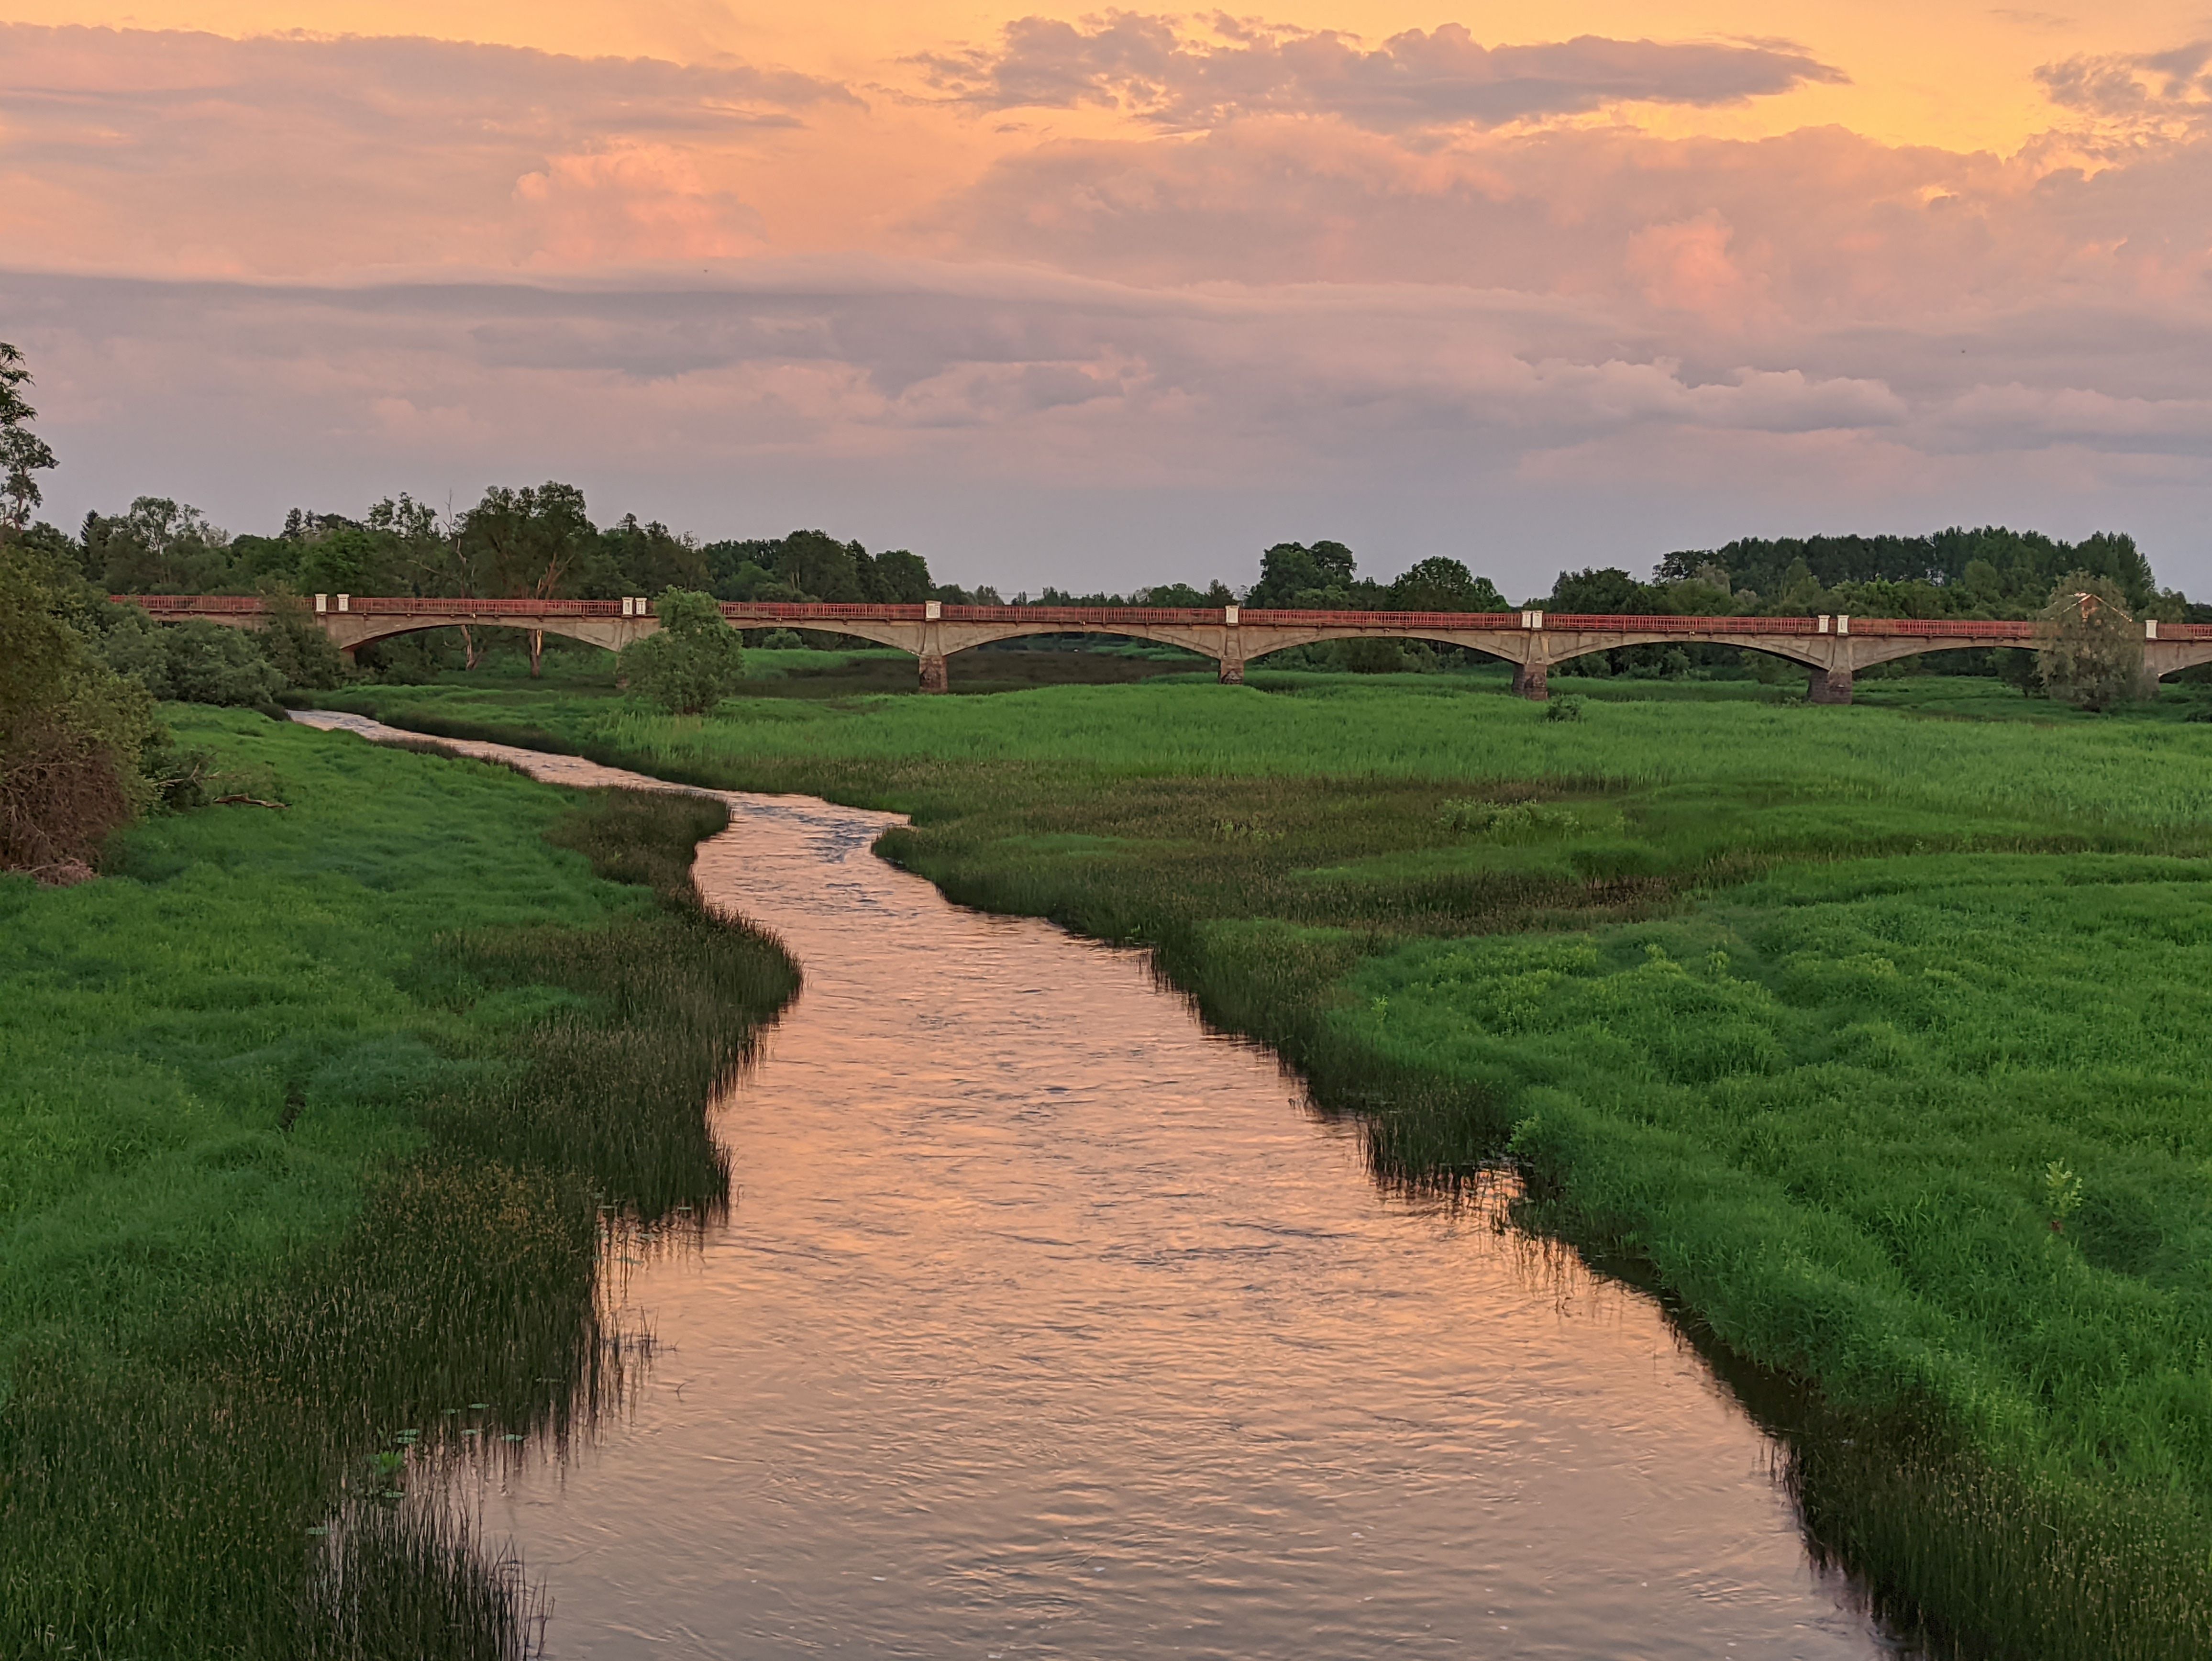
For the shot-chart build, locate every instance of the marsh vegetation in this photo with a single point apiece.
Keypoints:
(1791, 1011)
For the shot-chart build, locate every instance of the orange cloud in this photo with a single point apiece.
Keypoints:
(159, 151)
(1150, 67)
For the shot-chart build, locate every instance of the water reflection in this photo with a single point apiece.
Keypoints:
(1047, 1324)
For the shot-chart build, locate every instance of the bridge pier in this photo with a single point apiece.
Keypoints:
(1232, 671)
(934, 678)
(1830, 686)
(1532, 680)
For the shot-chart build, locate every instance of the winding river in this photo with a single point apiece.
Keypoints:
(1047, 1323)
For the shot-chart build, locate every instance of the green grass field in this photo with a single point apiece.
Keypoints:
(310, 1115)
(1817, 1017)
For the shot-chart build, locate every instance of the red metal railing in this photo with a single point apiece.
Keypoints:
(1999, 628)
(819, 612)
(410, 606)
(1095, 616)
(1610, 622)
(195, 605)
(1277, 618)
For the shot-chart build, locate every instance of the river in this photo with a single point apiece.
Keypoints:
(1045, 1323)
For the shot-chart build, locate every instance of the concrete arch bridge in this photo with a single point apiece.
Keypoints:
(1835, 648)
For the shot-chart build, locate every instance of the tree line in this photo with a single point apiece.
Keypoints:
(540, 542)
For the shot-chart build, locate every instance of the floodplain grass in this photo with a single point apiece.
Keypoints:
(314, 1120)
(1790, 1011)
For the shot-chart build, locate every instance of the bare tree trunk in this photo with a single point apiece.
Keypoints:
(536, 652)
(468, 648)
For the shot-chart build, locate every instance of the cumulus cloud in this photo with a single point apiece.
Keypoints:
(124, 147)
(1148, 66)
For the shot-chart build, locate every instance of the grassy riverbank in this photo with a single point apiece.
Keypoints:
(311, 1115)
(1819, 1018)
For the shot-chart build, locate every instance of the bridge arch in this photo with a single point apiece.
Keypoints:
(591, 632)
(874, 633)
(1488, 643)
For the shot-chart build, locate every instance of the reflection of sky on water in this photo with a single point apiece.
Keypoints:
(1048, 1323)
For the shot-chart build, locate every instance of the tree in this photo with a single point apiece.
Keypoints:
(419, 545)
(1444, 585)
(526, 544)
(2088, 650)
(818, 565)
(1295, 576)
(531, 543)
(694, 661)
(158, 547)
(23, 453)
(1181, 596)
(903, 578)
(644, 559)
(1608, 593)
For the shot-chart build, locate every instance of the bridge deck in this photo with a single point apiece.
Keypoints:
(1833, 646)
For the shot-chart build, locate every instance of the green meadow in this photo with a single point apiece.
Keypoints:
(315, 1116)
(1874, 1039)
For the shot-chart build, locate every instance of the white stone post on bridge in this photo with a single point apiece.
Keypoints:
(1230, 663)
(1532, 673)
(935, 678)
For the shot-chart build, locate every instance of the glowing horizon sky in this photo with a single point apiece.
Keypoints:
(1103, 298)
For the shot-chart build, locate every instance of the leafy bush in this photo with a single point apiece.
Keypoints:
(1566, 708)
(299, 651)
(694, 661)
(192, 662)
(211, 664)
(71, 730)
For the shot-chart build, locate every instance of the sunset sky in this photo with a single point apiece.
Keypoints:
(1103, 298)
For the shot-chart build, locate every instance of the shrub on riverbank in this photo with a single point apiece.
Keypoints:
(71, 730)
(313, 1124)
(1905, 965)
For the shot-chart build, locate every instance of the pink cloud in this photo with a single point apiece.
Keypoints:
(1150, 66)
(643, 202)
(154, 150)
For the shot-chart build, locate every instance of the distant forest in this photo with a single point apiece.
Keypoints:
(540, 542)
